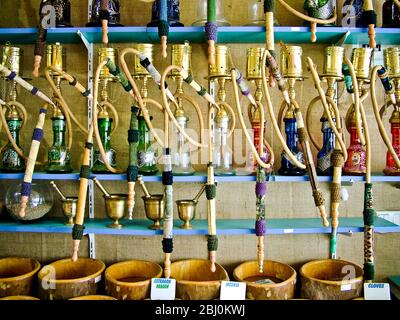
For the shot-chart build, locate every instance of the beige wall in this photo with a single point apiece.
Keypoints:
(236, 200)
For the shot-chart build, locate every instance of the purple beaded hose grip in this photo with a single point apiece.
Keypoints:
(211, 31)
(261, 189)
(261, 228)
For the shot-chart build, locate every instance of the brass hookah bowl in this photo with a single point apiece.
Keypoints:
(356, 161)
(220, 74)
(12, 159)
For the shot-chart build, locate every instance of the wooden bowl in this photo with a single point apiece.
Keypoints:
(17, 276)
(282, 274)
(93, 297)
(131, 280)
(19, 298)
(65, 279)
(195, 281)
(331, 280)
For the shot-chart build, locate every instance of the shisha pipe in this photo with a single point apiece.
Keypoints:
(211, 29)
(392, 90)
(269, 9)
(387, 84)
(261, 184)
(282, 85)
(368, 212)
(313, 21)
(339, 155)
(368, 18)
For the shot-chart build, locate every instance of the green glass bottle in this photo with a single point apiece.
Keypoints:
(10, 159)
(145, 153)
(59, 156)
(104, 122)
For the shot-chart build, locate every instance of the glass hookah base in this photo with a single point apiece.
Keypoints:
(327, 172)
(171, 24)
(64, 25)
(102, 169)
(390, 171)
(148, 172)
(349, 172)
(58, 169)
(183, 173)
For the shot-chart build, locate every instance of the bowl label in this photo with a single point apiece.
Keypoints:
(231, 290)
(162, 289)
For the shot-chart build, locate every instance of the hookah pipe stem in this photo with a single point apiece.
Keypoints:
(281, 84)
(369, 19)
(78, 228)
(375, 106)
(211, 29)
(104, 15)
(40, 40)
(53, 184)
(163, 27)
(132, 170)
(269, 9)
(313, 21)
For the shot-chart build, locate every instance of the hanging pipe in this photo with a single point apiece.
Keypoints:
(269, 10)
(317, 195)
(104, 16)
(381, 71)
(313, 21)
(368, 19)
(368, 212)
(339, 156)
(132, 170)
(41, 39)
(78, 228)
(211, 29)
(163, 27)
(261, 183)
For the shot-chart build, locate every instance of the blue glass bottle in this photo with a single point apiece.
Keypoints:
(173, 13)
(113, 9)
(287, 168)
(324, 163)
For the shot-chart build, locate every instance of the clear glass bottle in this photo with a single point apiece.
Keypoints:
(181, 157)
(222, 153)
(201, 15)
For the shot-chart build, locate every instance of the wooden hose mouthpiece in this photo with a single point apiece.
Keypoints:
(260, 254)
(313, 30)
(104, 28)
(211, 52)
(36, 66)
(371, 35)
(213, 259)
(75, 250)
(167, 265)
(164, 46)
(131, 199)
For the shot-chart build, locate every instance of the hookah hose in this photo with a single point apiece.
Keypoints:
(368, 19)
(382, 73)
(317, 195)
(211, 29)
(104, 15)
(261, 183)
(368, 212)
(339, 156)
(78, 228)
(40, 43)
(132, 170)
(163, 27)
(313, 21)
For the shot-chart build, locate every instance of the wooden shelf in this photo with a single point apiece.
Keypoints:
(224, 227)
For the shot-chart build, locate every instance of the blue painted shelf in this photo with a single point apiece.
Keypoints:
(224, 227)
(233, 34)
(199, 177)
